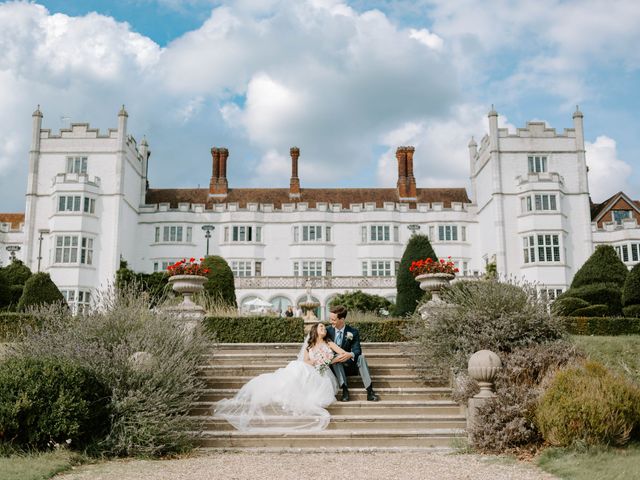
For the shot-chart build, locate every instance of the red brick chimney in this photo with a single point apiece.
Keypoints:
(294, 185)
(215, 170)
(411, 180)
(401, 155)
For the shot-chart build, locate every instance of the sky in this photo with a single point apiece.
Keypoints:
(346, 82)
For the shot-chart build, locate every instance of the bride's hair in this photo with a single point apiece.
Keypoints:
(313, 336)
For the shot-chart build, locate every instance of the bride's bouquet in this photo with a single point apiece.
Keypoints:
(324, 361)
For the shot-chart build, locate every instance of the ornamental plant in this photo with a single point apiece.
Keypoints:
(429, 265)
(408, 290)
(184, 267)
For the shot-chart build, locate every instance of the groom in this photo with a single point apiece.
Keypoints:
(352, 362)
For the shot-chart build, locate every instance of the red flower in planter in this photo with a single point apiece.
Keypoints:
(429, 265)
(182, 267)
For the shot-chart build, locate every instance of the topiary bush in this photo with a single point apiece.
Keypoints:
(408, 290)
(608, 294)
(362, 302)
(631, 292)
(486, 314)
(603, 266)
(16, 273)
(5, 291)
(382, 330)
(565, 306)
(631, 311)
(220, 284)
(602, 325)
(588, 405)
(592, 311)
(39, 290)
(507, 421)
(254, 329)
(45, 401)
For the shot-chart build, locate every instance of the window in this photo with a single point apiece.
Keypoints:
(620, 215)
(312, 233)
(86, 252)
(69, 203)
(432, 233)
(365, 269)
(157, 236)
(172, 234)
(396, 234)
(76, 164)
(537, 163)
(541, 248)
(628, 253)
(463, 234)
(328, 268)
(155, 266)
(89, 205)
(66, 250)
(380, 268)
(364, 234)
(258, 269)
(327, 234)
(448, 233)
(635, 250)
(189, 234)
(241, 268)
(550, 293)
(540, 202)
(84, 301)
(379, 233)
(308, 268)
(244, 233)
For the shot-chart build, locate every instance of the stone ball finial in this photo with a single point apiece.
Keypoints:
(483, 367)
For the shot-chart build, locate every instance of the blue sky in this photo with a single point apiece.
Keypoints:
(346, 82)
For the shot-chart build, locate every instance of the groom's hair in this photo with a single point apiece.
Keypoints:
(340, 311)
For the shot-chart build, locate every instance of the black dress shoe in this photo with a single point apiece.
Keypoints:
(371, 395)
(345, 394)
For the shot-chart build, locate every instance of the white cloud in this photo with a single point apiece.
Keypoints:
(429, 39)
(607, 173)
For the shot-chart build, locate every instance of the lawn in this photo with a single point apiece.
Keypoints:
(36, 466)
(596, 463)
(621, 353)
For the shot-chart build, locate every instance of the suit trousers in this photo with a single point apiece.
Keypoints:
(350, 368)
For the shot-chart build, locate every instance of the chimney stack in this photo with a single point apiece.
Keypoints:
(401, 155)
(294, 185)
(411, 180)
(219, 187)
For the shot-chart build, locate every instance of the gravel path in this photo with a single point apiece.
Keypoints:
(292, 466)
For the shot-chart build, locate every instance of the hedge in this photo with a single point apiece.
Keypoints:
(255, 329)
(603, 325)
(12, 324)
(291, 330)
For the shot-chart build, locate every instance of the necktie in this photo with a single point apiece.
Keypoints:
(339, 338)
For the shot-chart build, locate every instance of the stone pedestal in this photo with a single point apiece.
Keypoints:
(483, 367)
(433, 283)
(187, 285)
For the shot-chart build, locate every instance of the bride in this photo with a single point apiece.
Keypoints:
(291, 398)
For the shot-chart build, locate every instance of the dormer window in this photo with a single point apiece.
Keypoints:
(620, 215)
(537, 163)
(76, 164)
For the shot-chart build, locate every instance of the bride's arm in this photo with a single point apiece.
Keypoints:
(307, 359)
(341, 354)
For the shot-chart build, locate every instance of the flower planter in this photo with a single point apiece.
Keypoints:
(433, 283)
(187, 285)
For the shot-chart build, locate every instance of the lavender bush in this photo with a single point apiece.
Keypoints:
(152, 392)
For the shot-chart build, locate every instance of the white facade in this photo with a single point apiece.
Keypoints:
(529, 212)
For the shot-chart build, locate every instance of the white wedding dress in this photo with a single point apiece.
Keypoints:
(291, 398)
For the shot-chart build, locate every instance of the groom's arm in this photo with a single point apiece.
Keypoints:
(356, 349)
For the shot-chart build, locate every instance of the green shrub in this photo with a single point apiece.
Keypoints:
(565, 306)
(484, 314)
(151, 393)
(631, 310)
(16, 273)
(220, 284)
(155, 284)
(602, 325)
(255, 329)
(603, 266)
(597, 294)
(361, 302)
(631, 289)
(383, 330)
(408, 290)
(506, 421)
(39, 290)
(592, 311)
(47, 400)
(13, 325)
(588, 405)
(16, 293)
(5, 291)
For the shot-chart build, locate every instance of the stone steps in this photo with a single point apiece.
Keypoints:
(413, 414)
(413, 394)
(368, 422)
(334, 439)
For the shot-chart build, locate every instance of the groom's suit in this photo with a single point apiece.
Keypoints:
(358, 364)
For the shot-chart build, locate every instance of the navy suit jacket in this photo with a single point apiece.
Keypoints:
(348, 344)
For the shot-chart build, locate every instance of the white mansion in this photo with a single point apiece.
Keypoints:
(89, 205)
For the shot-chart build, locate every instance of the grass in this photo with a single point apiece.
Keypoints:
(595, 463)
(620, 353)
(37, 466)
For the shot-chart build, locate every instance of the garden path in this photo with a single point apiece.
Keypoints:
(325, 466)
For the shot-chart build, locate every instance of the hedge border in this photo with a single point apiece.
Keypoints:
(603, 325)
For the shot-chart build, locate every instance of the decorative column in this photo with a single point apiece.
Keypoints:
(483, 367)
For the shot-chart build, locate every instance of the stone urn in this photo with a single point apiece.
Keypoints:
(433, 283)
(187, 285)
(483, 367)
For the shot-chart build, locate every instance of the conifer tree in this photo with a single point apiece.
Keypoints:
(408, 290)
(220, 283)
